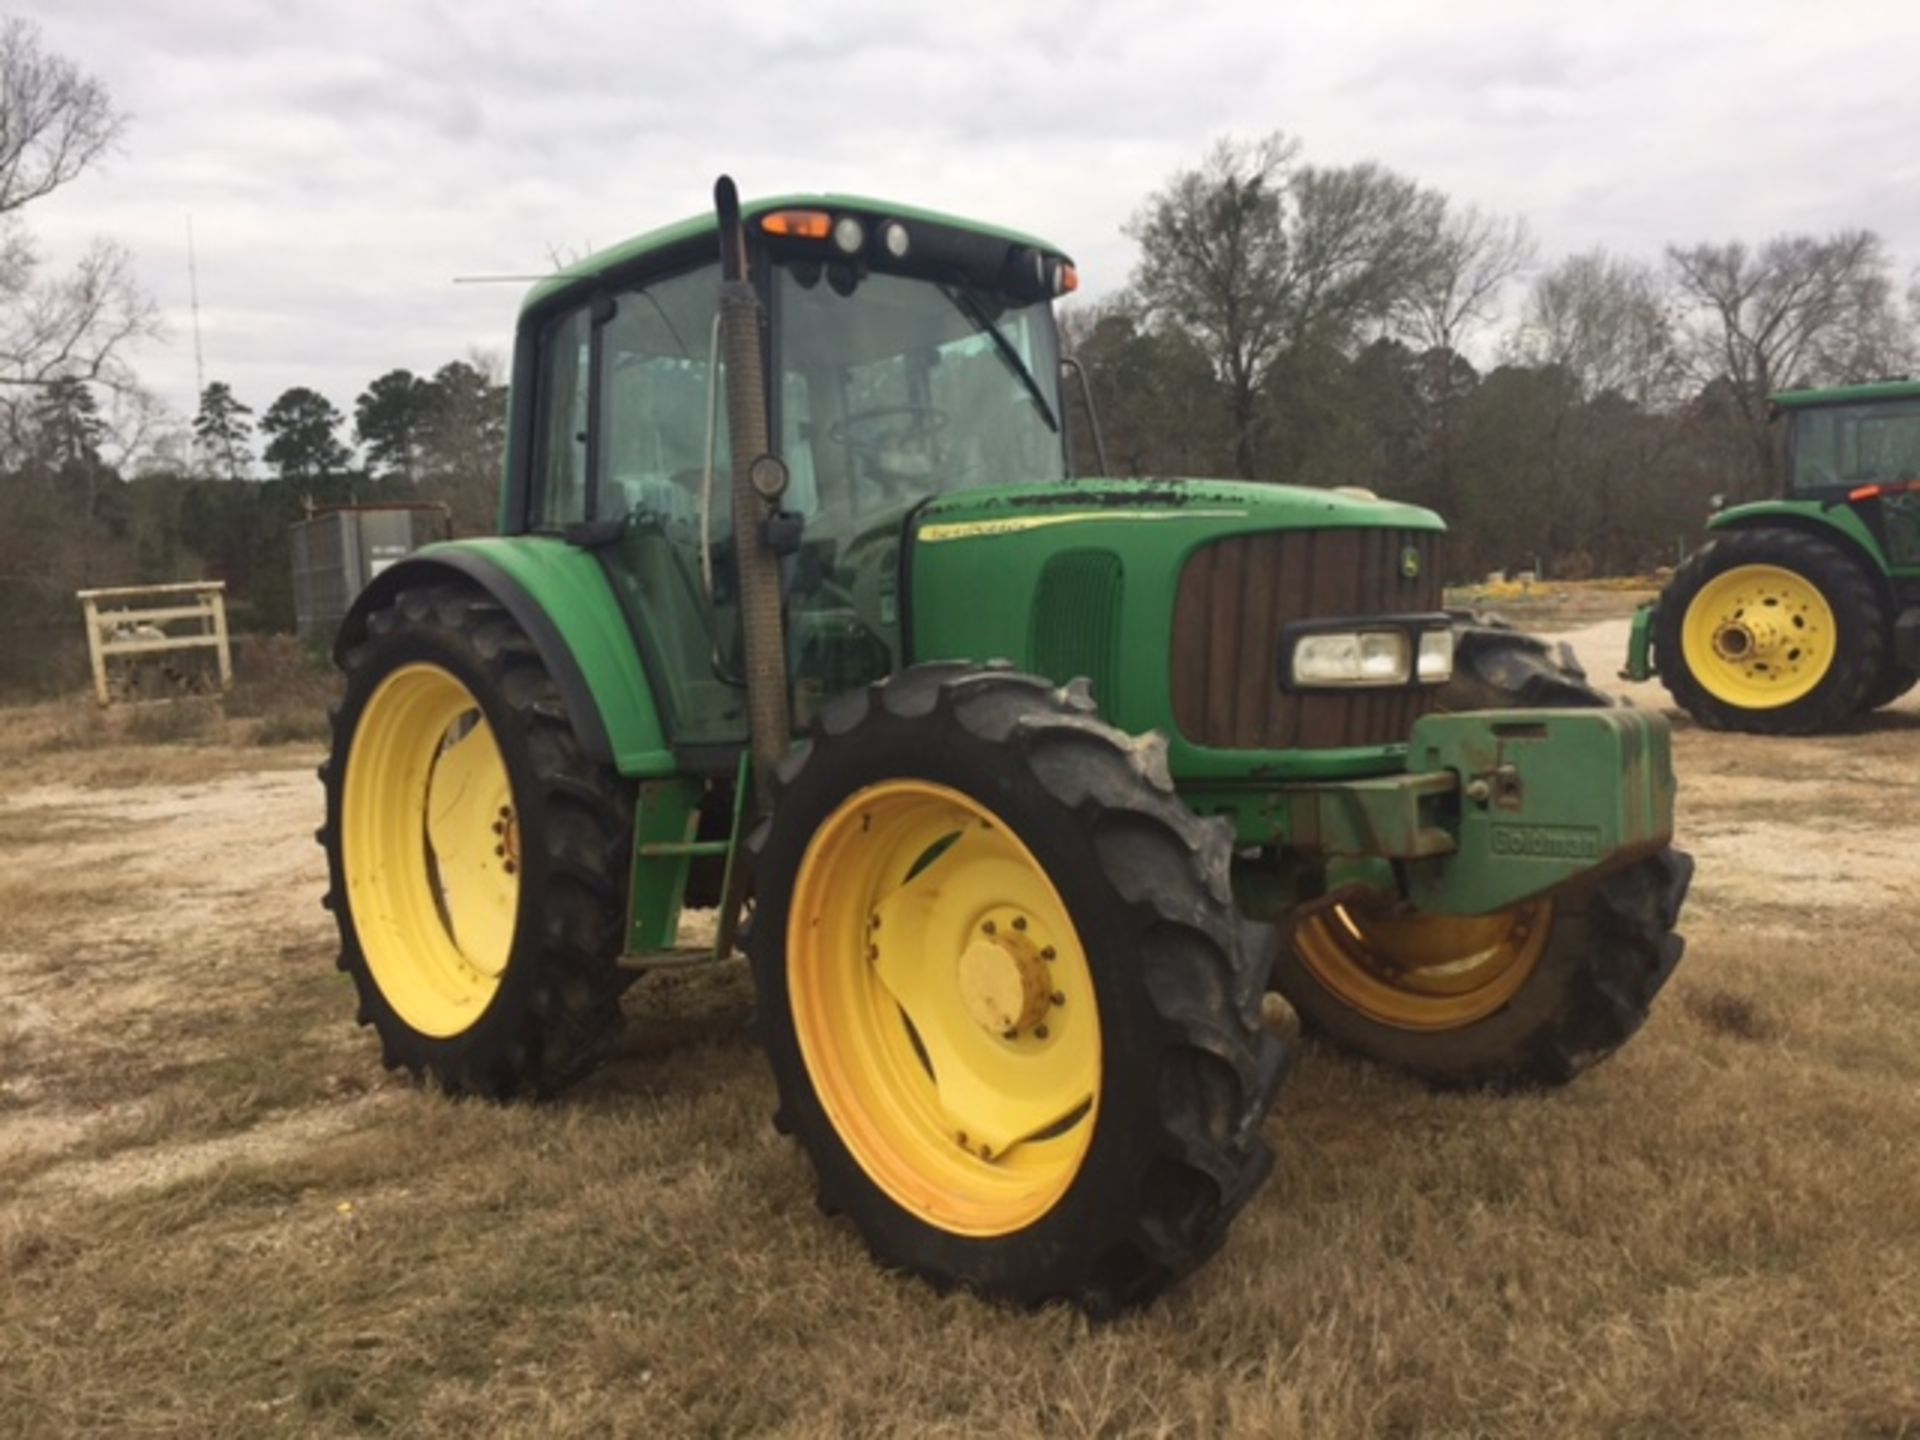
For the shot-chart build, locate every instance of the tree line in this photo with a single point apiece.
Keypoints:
(1346, 325)
(1331, 325)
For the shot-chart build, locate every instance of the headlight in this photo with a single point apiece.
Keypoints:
(1363, 657)
(1367, 651)
(1436, 656)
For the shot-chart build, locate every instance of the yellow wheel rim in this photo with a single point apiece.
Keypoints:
(944, 1008)
(1424, 972)
(430, 842)
(1759, 637)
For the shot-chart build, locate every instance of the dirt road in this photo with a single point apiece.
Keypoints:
(219, 1215)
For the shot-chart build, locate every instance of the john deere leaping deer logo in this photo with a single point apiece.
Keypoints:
(1409, 562)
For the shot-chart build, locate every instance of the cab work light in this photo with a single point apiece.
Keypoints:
(798, 224)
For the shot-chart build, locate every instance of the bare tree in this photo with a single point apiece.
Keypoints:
(1602, 320)
(1214, 261)
(1254, 255)
(1596, 329)
(1799, 310)
(56, 122)
(1361, 240)
(1452, 290)
(1468, 263)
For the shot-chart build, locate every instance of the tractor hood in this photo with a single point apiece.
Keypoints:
(1174, 599)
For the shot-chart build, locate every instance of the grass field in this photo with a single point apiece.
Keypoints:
(219, 1216)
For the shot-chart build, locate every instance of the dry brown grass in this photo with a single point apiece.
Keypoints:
(218, 1216)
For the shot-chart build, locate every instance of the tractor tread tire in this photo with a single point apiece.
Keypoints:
(1893, 682)
(557, 1009)
(1612, 949)
(1499, 667)
(1859, 615)
(1164, 1178)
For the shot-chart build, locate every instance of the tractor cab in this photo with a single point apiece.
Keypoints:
(906, 358)
(1859, 446)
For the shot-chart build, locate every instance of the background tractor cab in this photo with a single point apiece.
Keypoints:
(1803, 611)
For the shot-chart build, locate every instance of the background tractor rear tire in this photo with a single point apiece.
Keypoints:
(1894, 681)
(1609, 950)
(1497, 667)
(1718, 691)
(1140, 892)
(548, 1014)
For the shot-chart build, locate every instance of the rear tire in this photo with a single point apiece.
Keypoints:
(1116, 1200)
(1830, 600)
(1894, 682)
(532, 1006)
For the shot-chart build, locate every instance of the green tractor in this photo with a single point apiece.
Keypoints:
(1020, 791)
(1800, 613)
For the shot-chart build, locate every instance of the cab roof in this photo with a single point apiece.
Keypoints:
(581, 274)
(1849, 394)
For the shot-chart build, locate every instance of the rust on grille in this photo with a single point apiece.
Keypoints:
(1235, 596)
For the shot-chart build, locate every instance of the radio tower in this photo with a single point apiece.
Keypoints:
(193, 298)
(199, 363)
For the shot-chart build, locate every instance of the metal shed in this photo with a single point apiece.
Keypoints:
(338, 551)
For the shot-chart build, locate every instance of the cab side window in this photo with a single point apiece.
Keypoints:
(560, 478)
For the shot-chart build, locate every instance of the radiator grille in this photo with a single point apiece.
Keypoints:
(1075, 624)
(1234, 597)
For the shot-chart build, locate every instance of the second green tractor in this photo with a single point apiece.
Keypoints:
(1021, 790)
(1802, 612)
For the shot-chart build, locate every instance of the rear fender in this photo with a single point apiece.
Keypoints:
(1838, 524)
(559, 595)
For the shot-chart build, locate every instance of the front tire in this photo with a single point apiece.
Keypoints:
(1498, 667)
(1770, 631)
(475, 855)
(1004, 992)
(1524, 999)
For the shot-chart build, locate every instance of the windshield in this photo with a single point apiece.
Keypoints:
(892, 390)
(1853, 445)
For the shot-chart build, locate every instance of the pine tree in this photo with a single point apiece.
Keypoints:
(223, 432)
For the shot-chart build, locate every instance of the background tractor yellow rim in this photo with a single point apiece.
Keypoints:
(1759, 637)
(1424, 972)
(944, 1008)
(430, 843)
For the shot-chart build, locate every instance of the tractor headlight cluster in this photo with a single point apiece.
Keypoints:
(1374, 652)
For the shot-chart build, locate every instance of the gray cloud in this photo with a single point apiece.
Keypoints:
(343, 161)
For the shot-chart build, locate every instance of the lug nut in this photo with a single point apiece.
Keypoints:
(1046, 953)
(1039, 1032)
(988, 928)
(1019, 922)
(500, 850)
(1056, 998)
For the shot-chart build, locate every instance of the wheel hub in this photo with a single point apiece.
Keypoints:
(1749, 638)
(1004, 983)
(1759, 636)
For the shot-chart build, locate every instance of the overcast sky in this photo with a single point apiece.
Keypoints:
(343, 161)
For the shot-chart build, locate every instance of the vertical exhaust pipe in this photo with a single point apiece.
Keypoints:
(769, 724)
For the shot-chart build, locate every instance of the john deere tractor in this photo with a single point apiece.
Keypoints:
(1802, 612)
(1019, 790)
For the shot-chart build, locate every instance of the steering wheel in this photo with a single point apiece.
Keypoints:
(924, 423)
